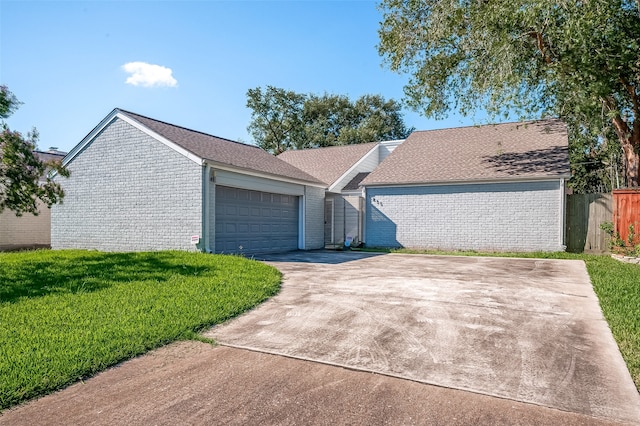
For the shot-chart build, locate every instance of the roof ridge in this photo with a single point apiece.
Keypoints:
(61, 153)
(332, 146)
(185, 128)
(490, 124)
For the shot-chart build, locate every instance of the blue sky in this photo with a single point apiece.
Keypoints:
(65, 60)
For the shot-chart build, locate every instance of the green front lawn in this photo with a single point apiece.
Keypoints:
(65, 315)
(617, 285)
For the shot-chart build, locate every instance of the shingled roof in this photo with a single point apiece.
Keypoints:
(533, 149)
(354, 184)
(222, 151)
(330, 163)
(49, 156)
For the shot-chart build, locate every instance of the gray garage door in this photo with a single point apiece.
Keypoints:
(251, 222)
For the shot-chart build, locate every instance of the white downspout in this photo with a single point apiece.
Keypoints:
(206, 198)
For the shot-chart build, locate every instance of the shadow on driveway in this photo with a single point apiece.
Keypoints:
(327, 257)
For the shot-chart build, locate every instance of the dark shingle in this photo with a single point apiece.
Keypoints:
(330, 163)
(355, 182)
(533, 149)
(222, 151)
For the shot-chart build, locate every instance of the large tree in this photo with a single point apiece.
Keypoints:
(283, 120)
(23, 176)
(577, 60)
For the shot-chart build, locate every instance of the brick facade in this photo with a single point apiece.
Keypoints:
(128, 192)
(26, 231)
(525, 216)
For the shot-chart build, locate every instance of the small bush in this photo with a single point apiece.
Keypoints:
(619, 246)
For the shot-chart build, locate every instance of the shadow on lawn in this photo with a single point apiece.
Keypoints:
(42, 273)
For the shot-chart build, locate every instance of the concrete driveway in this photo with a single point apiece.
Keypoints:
(528, 330)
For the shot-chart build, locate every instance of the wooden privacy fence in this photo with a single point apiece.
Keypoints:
(585, 213)
(626, 212)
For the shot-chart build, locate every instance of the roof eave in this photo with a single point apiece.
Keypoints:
(468, 181)
(251, 172)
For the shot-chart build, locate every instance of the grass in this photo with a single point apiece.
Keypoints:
(65, 315)
(617, 286)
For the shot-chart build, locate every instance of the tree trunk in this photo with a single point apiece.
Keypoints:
(629, 137)
(631, 162)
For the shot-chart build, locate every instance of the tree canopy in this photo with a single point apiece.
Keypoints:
(576, 60)
(23, 179)
(282, 120)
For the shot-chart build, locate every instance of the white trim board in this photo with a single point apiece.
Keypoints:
(469, 182)
(362, 159)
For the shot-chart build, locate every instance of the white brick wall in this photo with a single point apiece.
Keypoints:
(314, 218)
(500, 217)
(128, 192)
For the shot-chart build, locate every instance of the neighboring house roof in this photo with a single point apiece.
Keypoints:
(49, 155)
(534, 149)
(354, 184)
(222, 151)
(327, 164)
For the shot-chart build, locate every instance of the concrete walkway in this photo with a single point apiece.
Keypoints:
(528, 330)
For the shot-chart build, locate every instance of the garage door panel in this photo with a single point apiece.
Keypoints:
(251, 222)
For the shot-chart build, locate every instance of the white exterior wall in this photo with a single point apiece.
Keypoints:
(346, 218)
(26, 231)
(128, 192)
(352, 218)
(313, 203)
(524, 216)
(366, 164)
(256, 183)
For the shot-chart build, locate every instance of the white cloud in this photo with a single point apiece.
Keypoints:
(149, 75)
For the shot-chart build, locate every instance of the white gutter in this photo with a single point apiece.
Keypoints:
(466, 182)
